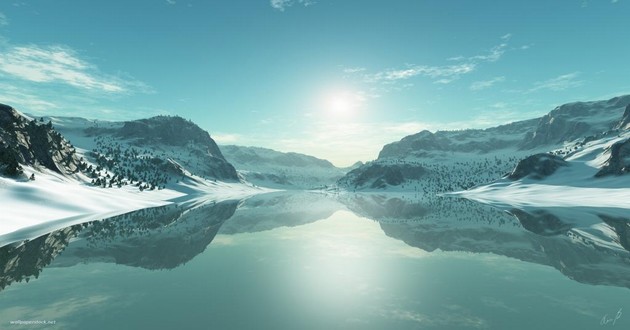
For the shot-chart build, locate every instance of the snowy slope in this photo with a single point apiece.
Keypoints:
(580, 183)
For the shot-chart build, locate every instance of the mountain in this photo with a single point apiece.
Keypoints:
(151, 146)
(24, 141)
(454, 160)
(270, 168)
(576, 120)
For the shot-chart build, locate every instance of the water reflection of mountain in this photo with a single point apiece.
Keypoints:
(587, 245)
(161, 237)
(155, 238)
(281, 209)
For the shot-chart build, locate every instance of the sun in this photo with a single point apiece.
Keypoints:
(341, 104)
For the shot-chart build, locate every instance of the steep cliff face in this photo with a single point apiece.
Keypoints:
(624, 123)
(28, 142)
(618, 162)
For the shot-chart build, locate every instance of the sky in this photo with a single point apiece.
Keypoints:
(336, 79)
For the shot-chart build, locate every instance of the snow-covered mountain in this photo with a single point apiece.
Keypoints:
(454, 160)
(270, 168)
(154, 151)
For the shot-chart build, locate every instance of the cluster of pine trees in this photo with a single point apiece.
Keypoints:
(118, 165)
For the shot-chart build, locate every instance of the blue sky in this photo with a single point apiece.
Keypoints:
(333, 78)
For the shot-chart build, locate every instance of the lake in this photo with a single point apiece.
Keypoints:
(325, 261)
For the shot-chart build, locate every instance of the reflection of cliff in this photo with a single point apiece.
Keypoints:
(157, 238)
(577, 243)
(20, 262)
(282, 209)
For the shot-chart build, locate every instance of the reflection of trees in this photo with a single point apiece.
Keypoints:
(156, 238)
(545, 237)
(21, 262)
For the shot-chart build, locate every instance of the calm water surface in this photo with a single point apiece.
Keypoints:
(310, 261)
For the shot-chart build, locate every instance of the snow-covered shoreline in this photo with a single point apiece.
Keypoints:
(53, 201)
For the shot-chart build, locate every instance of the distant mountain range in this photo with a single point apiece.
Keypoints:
(270, 168)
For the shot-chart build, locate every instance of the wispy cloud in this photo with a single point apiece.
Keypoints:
(3, 19)
(448, 72)
(281, 5)
(59, 64)
(353, 70)
(440, 74)
(23, 99)
(483, 84)
(171, 2)
(559, 83)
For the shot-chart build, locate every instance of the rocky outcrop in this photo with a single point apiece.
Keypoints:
(30, 142)
(618, 162)
(537, 167)
(624, 123)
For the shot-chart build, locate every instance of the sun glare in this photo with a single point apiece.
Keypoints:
(341, 104)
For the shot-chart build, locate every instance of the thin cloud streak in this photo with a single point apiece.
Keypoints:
(449, 71)
(59, 64)
(483, 84)
(441, 74)
(281, 5)
(559, 83)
